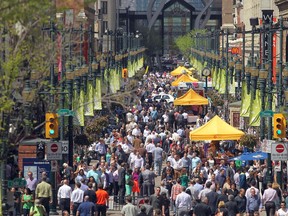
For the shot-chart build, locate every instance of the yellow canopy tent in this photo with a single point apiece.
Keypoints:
(184, 78)
(191, 98)
(180, 70)
(216, 129)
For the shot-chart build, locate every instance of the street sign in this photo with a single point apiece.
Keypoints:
(54, 151)
(54, 166)
(17, 183)
(65, 147)
(279, 151)
(266, 113)
(65, 112)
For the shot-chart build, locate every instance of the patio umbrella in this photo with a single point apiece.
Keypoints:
(251, 156)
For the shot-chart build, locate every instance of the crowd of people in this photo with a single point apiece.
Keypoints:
(149, 155)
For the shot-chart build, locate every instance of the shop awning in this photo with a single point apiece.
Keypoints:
(184, 78)
(190, 98)
(216, 129)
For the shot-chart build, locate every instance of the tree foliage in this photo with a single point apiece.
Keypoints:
(185, 42)
(248, 140)
(21, 48)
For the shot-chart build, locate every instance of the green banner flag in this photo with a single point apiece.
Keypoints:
(246, 100)
(254, 117)
(97, 95)
(88, 106)
(222, 84)
(231, 87)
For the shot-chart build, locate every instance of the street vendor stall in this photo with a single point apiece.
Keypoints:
(180, 70)
(184, 78)
(190, 98)
(216, 129)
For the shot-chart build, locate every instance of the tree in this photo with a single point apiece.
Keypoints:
(187, 41)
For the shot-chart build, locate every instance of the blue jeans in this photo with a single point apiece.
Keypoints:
(157, 167)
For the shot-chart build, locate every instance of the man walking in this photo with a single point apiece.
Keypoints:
(76, 198)
(64, 196)
(102, 202)
(183, 203)
(86, 208)
(43, 192)
(268, 200)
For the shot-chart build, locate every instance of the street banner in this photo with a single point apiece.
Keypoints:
(255, 109)
(81, 107)
(221, 89)
(88, 106)
(246, 100)
(97, 95)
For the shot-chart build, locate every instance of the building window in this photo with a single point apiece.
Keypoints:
(104, 26)
(104, 7)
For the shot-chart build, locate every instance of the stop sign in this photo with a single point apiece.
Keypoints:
(280, 148)
(54, 147)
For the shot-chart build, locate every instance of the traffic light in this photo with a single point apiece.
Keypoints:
(51, 126)
(40, 150)
(124, 73)
(279, 121)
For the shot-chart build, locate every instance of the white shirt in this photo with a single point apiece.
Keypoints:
(282, 212)
(77, 196)
(177, 164)
(165, 118)
(138, 162)
(183, 200)
(64, 191)
(150, 148)
(146, 132)
(185, 115)
(136, 131)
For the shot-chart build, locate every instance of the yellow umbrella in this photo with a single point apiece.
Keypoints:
(184, 78)
(180, 70)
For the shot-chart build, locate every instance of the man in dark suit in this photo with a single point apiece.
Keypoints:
(121, 183)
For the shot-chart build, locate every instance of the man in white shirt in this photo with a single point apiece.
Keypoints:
(269, 199)
(150, 147)
(77, 197)
(146, 132)
(183, 202)
(138, 161)
(136, 131)
(64, 196)
(177, 165)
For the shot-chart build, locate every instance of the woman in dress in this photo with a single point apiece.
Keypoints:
(135, 177)
(27, 200)
(128, 182)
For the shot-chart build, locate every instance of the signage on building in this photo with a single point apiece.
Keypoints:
(235, 50)
(36, 166)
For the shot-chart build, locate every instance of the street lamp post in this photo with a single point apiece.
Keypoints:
(226, 78)
(238, 67)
